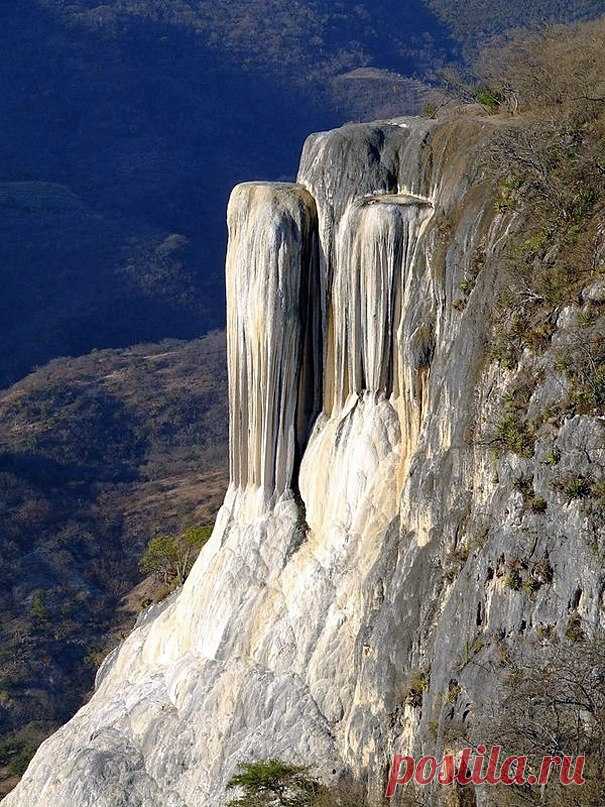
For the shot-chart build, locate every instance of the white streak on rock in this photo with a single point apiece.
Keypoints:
(375, 247)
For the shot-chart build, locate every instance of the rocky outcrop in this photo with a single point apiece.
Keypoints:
(367, 523)
(272, 283)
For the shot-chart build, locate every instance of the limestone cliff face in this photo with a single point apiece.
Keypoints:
(358, 393)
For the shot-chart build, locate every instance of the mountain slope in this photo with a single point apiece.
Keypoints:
(146, 119)
(97, 454)
(482, 20)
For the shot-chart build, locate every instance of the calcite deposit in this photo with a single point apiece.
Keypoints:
(360, 395)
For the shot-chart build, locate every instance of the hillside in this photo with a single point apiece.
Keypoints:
(483, 19)
(302, 42)
(76, 278)
(97, 454)
(126, 125)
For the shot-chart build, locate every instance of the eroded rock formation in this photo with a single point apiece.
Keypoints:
(274, 372)
(358, 389)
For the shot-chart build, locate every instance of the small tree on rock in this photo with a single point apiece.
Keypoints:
(273, 783)
(169, 558)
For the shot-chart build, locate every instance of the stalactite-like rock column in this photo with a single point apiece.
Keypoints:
(375, 250)
(272, 338)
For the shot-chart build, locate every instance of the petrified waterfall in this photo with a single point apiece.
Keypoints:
(354, 379)
(284, 346)
(375, 248)
(273, 350)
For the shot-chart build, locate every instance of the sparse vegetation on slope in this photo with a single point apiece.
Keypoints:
(482, 19)
(548, 162)
(97, 455)
(305, 42)
(169, 558)
(274, 783)
(552, 703)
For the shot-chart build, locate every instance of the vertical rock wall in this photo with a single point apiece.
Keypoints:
(271, 289)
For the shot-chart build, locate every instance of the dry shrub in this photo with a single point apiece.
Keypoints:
(547, 165)
(560, 66)
(552, 705)
(342, 795)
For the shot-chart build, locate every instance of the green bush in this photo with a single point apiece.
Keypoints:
(513, 434)
(16, 753)
(531, 585)
(525, 486)
(470, 650)
(273, 783)
(553, 457)
(38, 607)
(513, 579)
(574, 631)
(488, 98)
(575, 487)
(417, 685)
(19, 763)
(453, 691)
(509, 193)
(169, 558)
(161, 558)
(537, 504)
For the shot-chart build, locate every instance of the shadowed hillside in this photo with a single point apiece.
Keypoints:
(97, 454)
(482, 20)
(126, 125)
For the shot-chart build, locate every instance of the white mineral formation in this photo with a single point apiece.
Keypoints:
(271, 284)
(357, 380)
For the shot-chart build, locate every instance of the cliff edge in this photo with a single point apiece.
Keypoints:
(367, 523)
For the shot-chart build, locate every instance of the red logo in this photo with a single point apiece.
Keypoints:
(475, 766)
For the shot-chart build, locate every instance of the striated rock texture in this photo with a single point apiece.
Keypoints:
(367, 523)
(272, 283)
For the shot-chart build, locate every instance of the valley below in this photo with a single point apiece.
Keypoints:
(97, 455)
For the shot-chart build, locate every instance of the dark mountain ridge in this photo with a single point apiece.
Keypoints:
(147, 118)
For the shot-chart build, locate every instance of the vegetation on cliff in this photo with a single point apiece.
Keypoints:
(545, 161)
(549, 168)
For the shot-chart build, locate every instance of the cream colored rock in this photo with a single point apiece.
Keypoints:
(272, 282)
(357, 394)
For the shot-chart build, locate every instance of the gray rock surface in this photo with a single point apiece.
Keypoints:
(347, 558)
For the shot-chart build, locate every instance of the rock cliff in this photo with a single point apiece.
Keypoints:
(367, 525)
